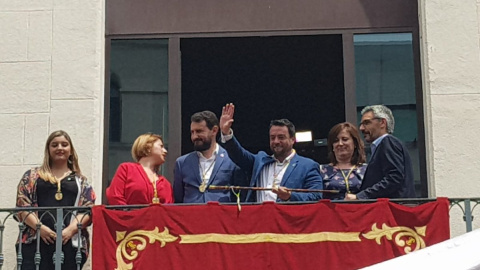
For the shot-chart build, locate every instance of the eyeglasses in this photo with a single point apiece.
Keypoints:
(367, 122)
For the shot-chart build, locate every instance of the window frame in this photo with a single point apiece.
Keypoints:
(120, 27)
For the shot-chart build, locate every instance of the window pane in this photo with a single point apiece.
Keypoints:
(384, 73)
(138, 95)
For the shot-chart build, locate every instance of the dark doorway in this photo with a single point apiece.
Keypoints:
(294, 77)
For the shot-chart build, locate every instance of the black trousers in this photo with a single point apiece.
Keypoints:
(46, 253)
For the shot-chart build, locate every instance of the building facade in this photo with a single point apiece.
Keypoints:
(65, 64)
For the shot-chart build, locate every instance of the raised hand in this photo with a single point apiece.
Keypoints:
(226, 120)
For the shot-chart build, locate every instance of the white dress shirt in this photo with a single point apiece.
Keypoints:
(206, 164)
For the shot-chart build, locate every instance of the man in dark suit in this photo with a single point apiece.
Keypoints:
(283, 170)
(389, 172)
(208, 165)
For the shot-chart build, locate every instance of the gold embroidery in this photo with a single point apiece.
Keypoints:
(130, 244)
(120, 235)
(135, 241)
(270, 238)
(413, 236)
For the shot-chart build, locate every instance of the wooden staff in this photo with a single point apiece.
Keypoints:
(264, 188)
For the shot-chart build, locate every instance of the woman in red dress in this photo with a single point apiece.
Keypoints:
(139, 182)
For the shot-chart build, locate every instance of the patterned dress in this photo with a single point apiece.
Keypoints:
(333, 179)
(33, 191)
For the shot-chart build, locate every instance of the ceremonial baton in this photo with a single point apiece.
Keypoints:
(264, 189)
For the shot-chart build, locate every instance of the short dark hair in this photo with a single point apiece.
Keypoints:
(284, 123)
(209, 117)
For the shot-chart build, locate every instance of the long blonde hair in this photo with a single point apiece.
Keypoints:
(45, 171)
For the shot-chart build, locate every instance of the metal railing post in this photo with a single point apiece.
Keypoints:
(21, 227)
(58, 257)
(468, 215)
(2, 228)
(78, 254)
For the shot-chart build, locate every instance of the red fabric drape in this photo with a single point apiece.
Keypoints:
(324, 235)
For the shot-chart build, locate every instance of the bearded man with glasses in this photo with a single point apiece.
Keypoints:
(389, 172)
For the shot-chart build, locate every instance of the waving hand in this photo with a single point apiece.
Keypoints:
(226, 120)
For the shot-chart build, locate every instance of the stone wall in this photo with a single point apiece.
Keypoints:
(451, 85)
(51, 77)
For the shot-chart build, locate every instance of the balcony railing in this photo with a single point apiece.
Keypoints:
(465, 205)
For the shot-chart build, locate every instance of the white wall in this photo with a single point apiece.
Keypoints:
(451, 81)
(51, 77)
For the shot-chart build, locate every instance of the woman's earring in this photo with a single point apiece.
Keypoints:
(69, 160)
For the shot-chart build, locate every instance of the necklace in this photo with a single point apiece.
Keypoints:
(203, 185)
(59, 194)
(284, 165)
(346, 177)
(275, 173)
(153, 179)
(155, 193)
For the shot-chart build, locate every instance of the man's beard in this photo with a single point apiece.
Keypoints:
(202, 145)
(282, 152)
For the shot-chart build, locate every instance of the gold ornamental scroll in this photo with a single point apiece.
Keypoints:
(130, 244)
(412, 236)
(136, 241)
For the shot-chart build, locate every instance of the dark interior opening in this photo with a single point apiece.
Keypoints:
(295, 77)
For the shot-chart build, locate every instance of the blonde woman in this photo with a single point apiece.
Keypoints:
(57, 183)
(139, 182)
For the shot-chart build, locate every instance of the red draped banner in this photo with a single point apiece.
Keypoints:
(323, 235)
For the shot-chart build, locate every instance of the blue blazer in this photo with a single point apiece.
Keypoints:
(187, 179)
(389, 172)
(301, 172)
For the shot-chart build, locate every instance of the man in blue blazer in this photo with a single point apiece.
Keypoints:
(389, 172)
(208, 165)
(282, 171)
